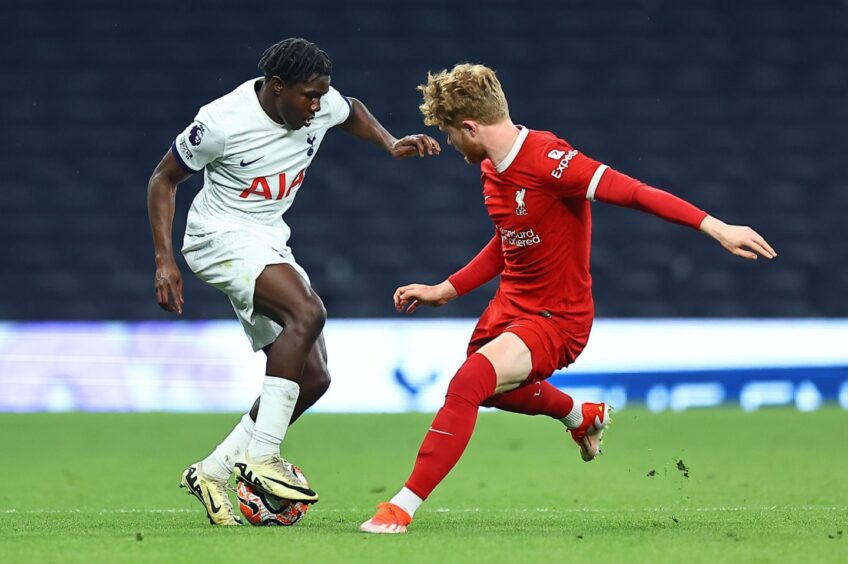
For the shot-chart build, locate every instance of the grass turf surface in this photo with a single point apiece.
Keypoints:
(771, 486)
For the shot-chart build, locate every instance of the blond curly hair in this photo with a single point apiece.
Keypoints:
(465, 92)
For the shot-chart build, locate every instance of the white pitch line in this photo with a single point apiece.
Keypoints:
(646, 509)
(465, 510)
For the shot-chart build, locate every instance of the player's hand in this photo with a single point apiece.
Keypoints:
(412, 145)
(740, 240)
(413, 295)
(169, 286)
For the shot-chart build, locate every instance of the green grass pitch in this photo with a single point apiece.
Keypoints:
(770, 486)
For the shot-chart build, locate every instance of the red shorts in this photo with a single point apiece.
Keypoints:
(553, 343)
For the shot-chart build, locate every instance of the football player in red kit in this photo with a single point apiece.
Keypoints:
(537, 189)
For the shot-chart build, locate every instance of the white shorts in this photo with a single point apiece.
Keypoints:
(231, 261)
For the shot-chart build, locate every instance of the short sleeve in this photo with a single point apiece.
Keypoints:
(199, 144)
(338, 105)
(570, 173)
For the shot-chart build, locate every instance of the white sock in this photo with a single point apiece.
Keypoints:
(219, 464)
(574, 417)
(276, 404)
(407, 501)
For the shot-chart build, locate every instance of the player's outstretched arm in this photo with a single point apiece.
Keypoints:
(411, 296)
(365, 126)
(740, 240)
(620, 189)
(161, 191)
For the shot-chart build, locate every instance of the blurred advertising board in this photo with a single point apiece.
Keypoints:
(404, 365)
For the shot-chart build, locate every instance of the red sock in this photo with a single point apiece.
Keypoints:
(451, 429)
(536, 398)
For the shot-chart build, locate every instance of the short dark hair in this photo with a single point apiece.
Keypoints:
(294, 60)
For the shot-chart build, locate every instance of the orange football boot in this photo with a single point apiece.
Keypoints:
(589, 435)
(389, 518)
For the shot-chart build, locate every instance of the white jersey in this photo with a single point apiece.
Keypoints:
(253, 165)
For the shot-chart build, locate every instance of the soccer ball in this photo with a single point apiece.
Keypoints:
(263, 509)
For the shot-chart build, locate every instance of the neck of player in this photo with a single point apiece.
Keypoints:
(266, 102)
(498, 139)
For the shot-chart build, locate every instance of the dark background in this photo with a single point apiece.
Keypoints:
(739, 107)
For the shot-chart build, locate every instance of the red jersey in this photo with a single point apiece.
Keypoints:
(538, 197)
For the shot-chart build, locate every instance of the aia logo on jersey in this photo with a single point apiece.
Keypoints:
(261, 187)
(196, 134)
(519, 202)
(311, 140)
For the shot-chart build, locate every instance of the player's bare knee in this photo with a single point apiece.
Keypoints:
(320, 382)
(311, 317)
(305, 321)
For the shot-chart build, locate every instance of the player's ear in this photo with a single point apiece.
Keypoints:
(470, 127)
(277, 85)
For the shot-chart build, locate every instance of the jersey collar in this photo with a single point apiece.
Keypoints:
(513, 152)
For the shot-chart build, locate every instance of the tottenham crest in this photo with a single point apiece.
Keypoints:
(519, 202)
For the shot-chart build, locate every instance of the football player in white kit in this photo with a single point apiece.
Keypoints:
(254, 146)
